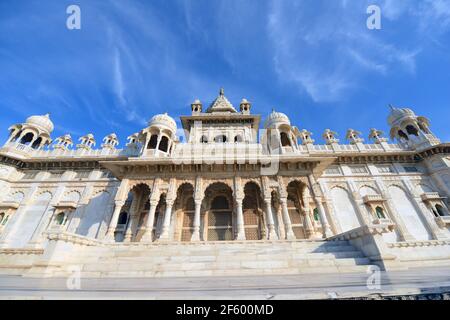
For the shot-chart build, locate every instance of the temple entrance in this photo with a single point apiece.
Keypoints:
(252, 214)
(294, 204)
(219, 217)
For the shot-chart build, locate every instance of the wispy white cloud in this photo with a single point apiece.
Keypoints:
(328, 54)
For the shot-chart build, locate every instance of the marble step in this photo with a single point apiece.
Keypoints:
(174, 259)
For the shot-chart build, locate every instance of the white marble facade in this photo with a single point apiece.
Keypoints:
(224, 177)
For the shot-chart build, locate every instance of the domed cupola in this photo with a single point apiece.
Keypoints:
(163, 121)
(281, 136)
(35, 132)
(409, 129)
(160, 134)
(398, 115)
(276, 119)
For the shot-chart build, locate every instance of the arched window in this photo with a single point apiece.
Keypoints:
(220, 202)
(402, 135)
(285, 142)
(316, 214)
(164, 144)
(153, 142)
(440, 210)
(410, 129)
(123, 218)
(380, 212)
(60, 218)
(27, 138)
(37, 143)
(220, 138)
(204, 139)
(238, 138)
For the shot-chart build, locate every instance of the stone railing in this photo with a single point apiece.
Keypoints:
(422, 243)
(27, 151)
(431, 196)
(202, 151)
(373, 198)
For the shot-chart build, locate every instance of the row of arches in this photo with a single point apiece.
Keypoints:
(29, 137)
(218, 214)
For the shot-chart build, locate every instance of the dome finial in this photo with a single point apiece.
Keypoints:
(222, 92)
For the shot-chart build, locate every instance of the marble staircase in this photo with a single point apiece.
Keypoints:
(218, 259)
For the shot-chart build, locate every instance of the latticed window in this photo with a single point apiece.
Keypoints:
(56, 175)
(385, 169)
(29, 176)
(220, 219)
(411, 169)
(251, 223)
(358, 169)
(82, 175)
(333, 170)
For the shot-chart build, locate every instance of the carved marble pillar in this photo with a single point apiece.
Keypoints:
(197, 221)
(287, 220)
(270, 223)
(309, 228)
(134, 213)
(165, 232)
(240, 220)
(113, 222)
(148, 229)
(198, 198)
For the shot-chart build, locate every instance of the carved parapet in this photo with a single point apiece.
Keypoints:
(383, 222)
(427, 196)
(25, 251)
(66, 205)
(362, 231)
(72, 238)
(373, 198)
(412, 244)
(9, 205)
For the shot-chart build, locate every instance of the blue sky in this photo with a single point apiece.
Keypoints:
(314, 60)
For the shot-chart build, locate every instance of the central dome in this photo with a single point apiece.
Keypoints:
(163, 120)
(42, 122)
